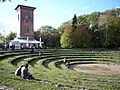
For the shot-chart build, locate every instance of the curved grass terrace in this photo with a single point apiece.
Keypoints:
(51, 73)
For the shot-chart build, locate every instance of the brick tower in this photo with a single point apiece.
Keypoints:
(25, 20)
(25, 37)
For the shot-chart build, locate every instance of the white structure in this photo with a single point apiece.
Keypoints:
(25, 42)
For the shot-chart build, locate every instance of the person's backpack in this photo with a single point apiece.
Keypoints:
(18, 71)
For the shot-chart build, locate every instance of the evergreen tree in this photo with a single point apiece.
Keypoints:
(74, 22)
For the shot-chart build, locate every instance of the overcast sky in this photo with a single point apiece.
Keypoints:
(50, 12)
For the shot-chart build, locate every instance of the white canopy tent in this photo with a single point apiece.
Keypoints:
(27, 42)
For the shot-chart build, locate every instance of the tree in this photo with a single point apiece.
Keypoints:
(81, 38)
(2, 37)
(112, 36)
(84, 21)
(55, 38)
(66, 37)
(94, 29)
(49, 35)
(74, 22)
(11, 36)
(109, 24)
(61, 28)
(102, 27)
(46, 29)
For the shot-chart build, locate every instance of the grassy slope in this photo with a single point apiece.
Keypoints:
(56, 75)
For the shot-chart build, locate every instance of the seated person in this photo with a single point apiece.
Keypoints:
(25, 73)
(18, 71)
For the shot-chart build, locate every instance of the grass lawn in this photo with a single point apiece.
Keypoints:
(51, 74)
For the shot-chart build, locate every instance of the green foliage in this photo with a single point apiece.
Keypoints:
(66, 38)
(61, 28)
(11, 36)
(59, 78)
(103, 26)
(2, 37)
(74, 22)
(98, 29)
(81, 37)
(84, 21)
(50, 36)
(75, 36)
(112, 36)
(46, 29)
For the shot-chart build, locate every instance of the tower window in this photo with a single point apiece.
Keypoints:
(26, 16)
(26, 29)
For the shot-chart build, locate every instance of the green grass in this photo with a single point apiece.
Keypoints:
(51, 74)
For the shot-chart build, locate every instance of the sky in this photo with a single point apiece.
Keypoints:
(50, 12)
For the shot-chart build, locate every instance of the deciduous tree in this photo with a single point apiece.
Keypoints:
(81, 37)
(11, 36)
(66, 37)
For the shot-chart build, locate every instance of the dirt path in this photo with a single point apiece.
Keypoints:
(96, 68)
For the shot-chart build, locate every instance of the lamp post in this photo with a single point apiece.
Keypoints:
(40, 42)
(27, 42)
(40, 45)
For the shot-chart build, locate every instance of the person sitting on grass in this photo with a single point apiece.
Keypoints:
(25, 72)
(67, 63)
(18, 71)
